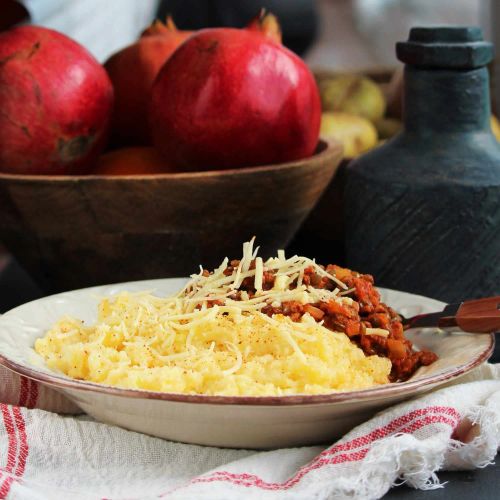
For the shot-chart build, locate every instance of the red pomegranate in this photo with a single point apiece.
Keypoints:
(233, 98)
(55, 103)
(132, 71)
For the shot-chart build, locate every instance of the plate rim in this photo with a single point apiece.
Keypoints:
(61, 382)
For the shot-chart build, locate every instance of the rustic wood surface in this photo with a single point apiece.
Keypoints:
(75, 231)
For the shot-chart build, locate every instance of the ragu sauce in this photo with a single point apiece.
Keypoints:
(369, 323)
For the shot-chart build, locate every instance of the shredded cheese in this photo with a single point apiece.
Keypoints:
(377, 331)
(206, 340)
(259, 273)
(219, 285)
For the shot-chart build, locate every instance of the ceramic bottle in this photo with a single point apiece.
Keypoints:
(423, 210)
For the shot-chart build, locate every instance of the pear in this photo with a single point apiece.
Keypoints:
(495, 127)
(354, 94)
(388, 127)
(357, 134)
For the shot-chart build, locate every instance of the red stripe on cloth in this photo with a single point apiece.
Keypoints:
(413, 427)
(12, 450)
(23, 391)
(251, 480)
(12, 446)
(33, 394)
(23, 441)
(391, 427)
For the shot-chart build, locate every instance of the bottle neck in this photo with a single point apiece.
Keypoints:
(445, 101)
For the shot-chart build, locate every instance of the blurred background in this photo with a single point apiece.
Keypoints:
(334, 35)
(343, 34)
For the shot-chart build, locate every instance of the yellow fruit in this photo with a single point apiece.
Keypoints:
(388, 127)
(353, 94)
(495, 127)
(357, 134)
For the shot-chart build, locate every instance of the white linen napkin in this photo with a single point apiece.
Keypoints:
(48, 456)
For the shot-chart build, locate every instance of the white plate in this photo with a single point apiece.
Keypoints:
(239, 422)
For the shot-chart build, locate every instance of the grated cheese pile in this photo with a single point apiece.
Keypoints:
(218, 286)
(188, 343)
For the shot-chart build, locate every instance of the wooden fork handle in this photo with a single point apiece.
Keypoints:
(479, 316)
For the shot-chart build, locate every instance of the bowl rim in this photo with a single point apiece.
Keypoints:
(62, 382)
(329, 148)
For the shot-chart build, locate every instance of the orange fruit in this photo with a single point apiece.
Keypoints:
(132, 161)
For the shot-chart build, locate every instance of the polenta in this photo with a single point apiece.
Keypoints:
(135, 345)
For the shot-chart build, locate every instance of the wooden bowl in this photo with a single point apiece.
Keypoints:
(75, 231)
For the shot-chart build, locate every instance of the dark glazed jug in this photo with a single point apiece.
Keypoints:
(423, 210)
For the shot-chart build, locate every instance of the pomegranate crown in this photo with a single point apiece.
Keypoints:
(158, 27)
(267, 24)
(264, 22)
